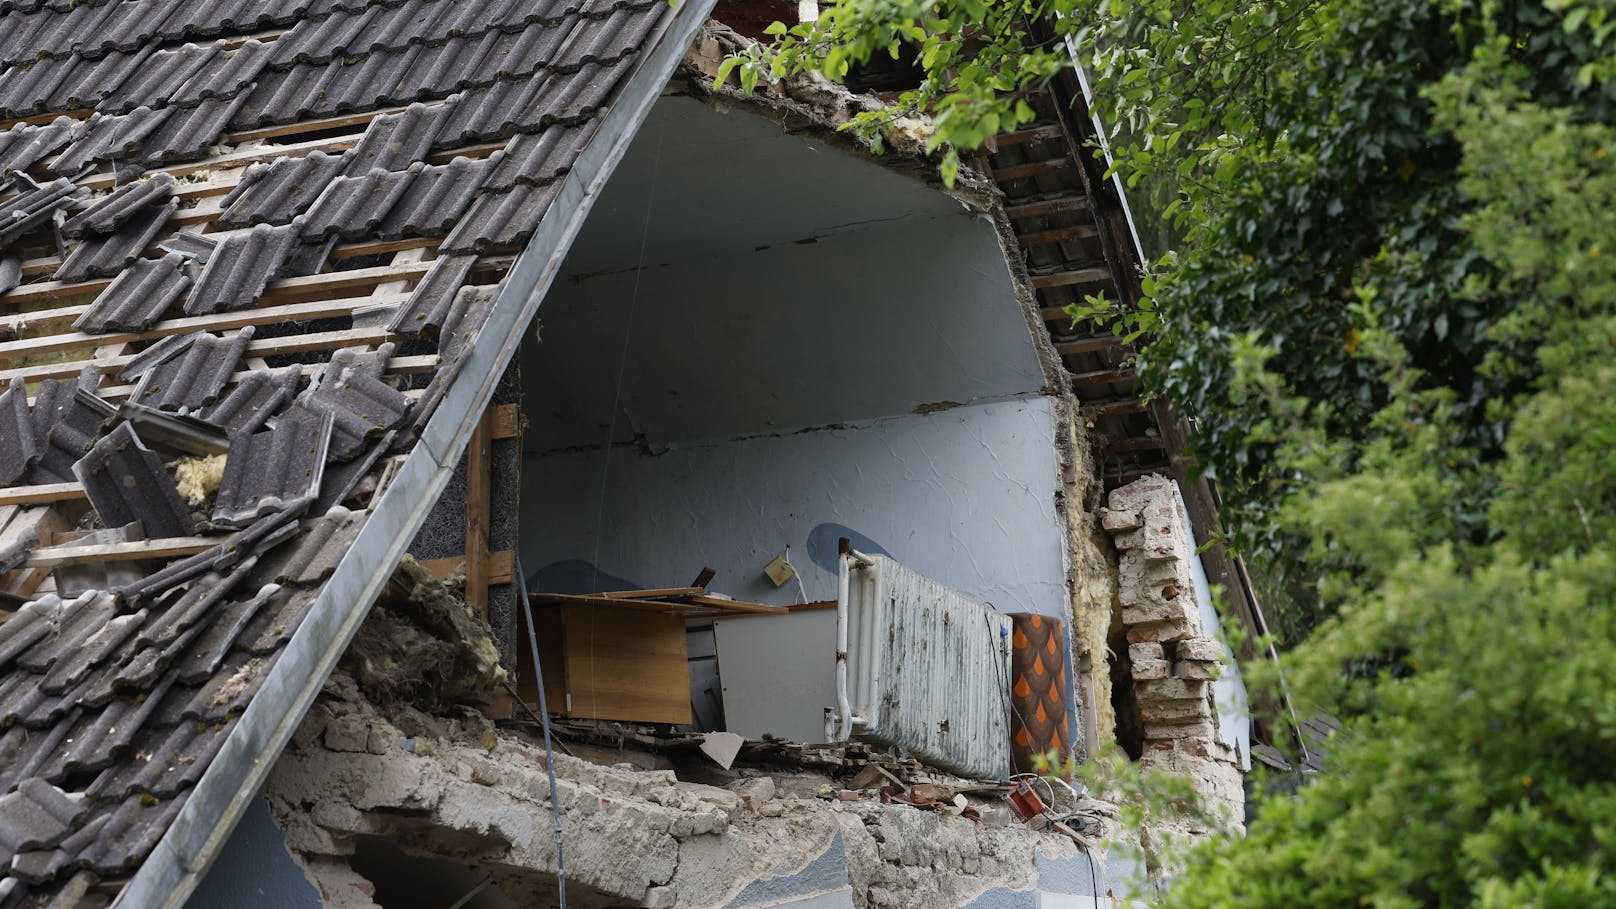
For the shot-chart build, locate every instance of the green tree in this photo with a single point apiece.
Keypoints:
(1392, 310)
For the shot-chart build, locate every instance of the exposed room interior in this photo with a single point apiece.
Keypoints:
(798, 346)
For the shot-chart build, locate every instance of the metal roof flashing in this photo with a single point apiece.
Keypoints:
(186, 851)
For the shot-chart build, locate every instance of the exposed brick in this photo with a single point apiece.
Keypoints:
(1193, 669)
(1202, 649)
(1150, 650)
(1150, 669)
(1173, 689)
(347, 733)
(1120, 521)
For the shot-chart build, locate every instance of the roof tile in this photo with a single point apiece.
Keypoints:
(193, 372)
(139, 296)
(115, 209)
(104, 255)
(239, 269)
(126, 481)
(267, 471)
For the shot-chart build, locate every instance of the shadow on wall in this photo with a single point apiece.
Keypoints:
(824, 545)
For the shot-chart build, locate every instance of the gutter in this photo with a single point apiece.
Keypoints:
(188, 848)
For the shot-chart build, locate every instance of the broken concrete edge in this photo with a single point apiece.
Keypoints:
(1173, 658)
(186, 850)
(642, 836)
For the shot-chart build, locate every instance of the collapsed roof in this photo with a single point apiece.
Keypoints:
(281, 234)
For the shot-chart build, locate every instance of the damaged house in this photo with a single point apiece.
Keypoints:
(392, 387)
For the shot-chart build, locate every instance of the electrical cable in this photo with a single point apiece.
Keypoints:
(544, 713)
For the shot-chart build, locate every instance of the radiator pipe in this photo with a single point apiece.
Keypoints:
(844, 567)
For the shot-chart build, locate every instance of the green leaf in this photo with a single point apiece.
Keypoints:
(775, 28)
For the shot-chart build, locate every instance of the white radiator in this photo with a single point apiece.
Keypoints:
(921, 667)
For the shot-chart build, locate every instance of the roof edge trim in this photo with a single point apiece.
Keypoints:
(177, 864)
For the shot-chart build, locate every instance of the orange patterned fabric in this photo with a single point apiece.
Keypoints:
(1038, 690)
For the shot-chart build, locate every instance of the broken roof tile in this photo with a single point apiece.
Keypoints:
(126, 481)
(33, 205)
(433, 296)
(68, 418)
(193, 372)
(18, 448)
(104, 255)
(268, 471)
(189, 244)
(420, 201)
(276, 193)
(256, 398)
(139, 296)
(362, 405)
(113, 210)
(239, 269)
(175, 434)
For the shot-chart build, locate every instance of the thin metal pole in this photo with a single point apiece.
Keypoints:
(544, 712)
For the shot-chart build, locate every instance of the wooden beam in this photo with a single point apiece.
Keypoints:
(1090, 344)
(1133, 444)
(1042, 207)
(45, 492)
(500, 567)
(1077, 276)
(1007, 173)
(224, 321)
(507, 421)
(1031, 134)
(479, 470)
(1114, 407)
(1057, 235)
(168, 548)
(1102, 377)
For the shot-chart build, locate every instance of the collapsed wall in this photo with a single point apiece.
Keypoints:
(1173, 654)
(449, 790)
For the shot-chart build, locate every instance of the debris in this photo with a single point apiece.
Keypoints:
(722, 747)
